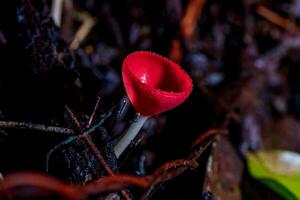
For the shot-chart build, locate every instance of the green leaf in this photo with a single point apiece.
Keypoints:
(278, 169)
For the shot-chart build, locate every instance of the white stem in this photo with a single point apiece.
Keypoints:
(130, 134)
(1, 177)
(56, 11)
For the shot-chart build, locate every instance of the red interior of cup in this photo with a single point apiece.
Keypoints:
(153, 83)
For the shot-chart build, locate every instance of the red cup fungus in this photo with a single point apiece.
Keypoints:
(154, 84)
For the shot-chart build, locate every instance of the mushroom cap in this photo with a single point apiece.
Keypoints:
(154, 84)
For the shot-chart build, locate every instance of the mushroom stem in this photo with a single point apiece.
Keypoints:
(130, 134)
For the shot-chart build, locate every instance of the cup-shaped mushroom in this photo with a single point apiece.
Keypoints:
(154, 84)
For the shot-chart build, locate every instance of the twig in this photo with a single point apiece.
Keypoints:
(189, 20)
(102, 161)
(75, 192)
(56, 11)
(63, 143)
(73, 138)
(187, 26)
(113, 183)
(97, 154)
(100, 123)
(118, 182)
(209, 133)
(198, 152)
(17, 180)
(277, 19)
(73, 118)
(87, 139)
(168, 171)
(173, 169)
(83, 31)
(37, 127)
(93, 113)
